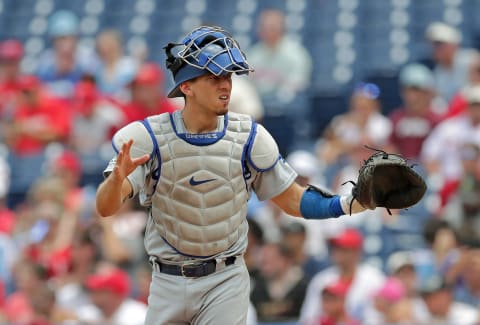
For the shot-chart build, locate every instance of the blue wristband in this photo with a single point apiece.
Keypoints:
(314, 205)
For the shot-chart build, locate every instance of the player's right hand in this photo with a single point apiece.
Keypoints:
(125, 164)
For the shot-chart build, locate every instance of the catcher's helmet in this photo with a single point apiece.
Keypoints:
(205, 50)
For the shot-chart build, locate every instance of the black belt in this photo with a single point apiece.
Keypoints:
(191, 270)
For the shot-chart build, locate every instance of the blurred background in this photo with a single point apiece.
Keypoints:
(331, 76)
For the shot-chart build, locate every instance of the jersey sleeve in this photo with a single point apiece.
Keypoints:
(138, 178)
(143, 143)
(263, 153)
(142, 139)
(274, 181)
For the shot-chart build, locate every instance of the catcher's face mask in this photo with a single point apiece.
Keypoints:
(205, 50)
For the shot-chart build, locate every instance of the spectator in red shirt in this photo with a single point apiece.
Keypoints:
(8, 246)
(413, 122)
(147, 95)
(334, 311)
(28, 278)
(47, 227)
(96, 117)
(11, 52)
(78, 199)
(70, 290)
(7, 216)
(38, 120)
(110, 289)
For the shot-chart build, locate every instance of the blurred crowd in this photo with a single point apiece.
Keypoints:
(61, 264)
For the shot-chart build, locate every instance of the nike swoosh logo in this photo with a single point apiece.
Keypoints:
(193, 182)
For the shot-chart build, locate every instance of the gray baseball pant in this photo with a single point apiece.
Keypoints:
(217, 299)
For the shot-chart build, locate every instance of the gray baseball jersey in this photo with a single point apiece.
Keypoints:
(196, 187)
(188, 162)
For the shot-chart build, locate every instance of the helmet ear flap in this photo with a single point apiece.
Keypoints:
(172, 63)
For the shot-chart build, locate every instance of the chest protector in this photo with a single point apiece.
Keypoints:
(200, 203)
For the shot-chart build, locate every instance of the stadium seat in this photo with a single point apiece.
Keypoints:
(426, 11)
(76, 6)
(324, 105)
(282, 129)
(268, 4)
(17, 25)
(120, 6)
(387, 80)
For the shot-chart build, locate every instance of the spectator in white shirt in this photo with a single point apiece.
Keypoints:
(438, 307)
(451, 62)
(441, 151)
(283, 67)
(364, 279)
(109, 291)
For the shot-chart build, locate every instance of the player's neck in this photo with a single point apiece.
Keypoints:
(196, 122)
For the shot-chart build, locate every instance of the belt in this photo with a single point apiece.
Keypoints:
(194, 269)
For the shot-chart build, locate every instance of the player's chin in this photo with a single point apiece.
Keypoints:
(222, 112)
(222, 109)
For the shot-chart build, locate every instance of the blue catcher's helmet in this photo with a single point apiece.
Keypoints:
(205, 50)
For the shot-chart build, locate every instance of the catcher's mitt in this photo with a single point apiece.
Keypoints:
(387, 180)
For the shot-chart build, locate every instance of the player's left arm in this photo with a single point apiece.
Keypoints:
(276, 182)
(289, 200)
(314, 203)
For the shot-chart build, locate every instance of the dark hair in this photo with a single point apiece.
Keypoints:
(432, 227)
(256, 230)
(294, 227)
(285, 250)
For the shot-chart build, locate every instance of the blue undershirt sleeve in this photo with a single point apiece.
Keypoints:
(317, 204)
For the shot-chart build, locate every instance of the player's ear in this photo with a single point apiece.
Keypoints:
(185, 88)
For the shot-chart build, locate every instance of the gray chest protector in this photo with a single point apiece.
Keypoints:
(200, 203)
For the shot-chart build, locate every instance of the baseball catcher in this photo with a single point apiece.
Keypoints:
(194, 170)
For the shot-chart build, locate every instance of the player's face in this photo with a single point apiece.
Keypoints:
(211, 93)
